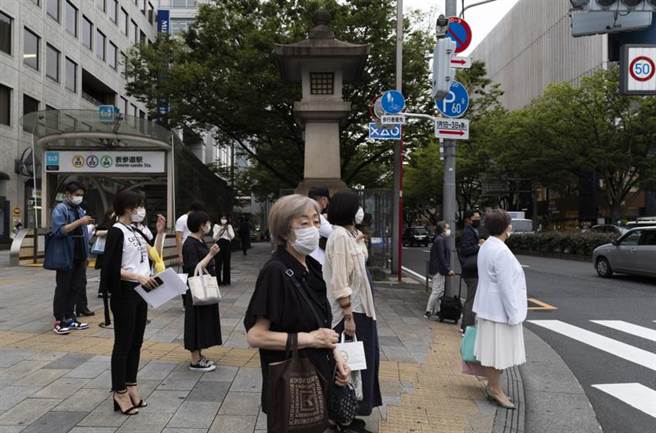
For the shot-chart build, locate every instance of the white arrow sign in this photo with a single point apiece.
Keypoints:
(452, 129)
(461, 62)
(392, 120)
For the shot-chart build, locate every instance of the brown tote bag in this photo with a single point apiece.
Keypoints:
(298, 395)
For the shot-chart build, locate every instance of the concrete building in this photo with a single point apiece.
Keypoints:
(532, 47)
(59, 54)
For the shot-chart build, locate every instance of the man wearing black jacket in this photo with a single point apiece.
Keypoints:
(468, 252)
(439, 267)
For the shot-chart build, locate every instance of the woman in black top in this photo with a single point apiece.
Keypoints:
(277, 308)
(126, 266)
(202, 327)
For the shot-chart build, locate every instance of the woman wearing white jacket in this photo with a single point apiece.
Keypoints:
(500, 306)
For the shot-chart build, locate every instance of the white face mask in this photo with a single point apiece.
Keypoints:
(77, 200)
(138, 215)
(307, 240)
(359, 216)
(224, 221)
(206, 228)
(447, 232)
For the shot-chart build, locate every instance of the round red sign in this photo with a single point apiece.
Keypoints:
(642, 68)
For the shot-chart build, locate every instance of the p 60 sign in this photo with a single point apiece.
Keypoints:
(638, 70)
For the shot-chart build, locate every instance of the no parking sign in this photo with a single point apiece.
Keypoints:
(638, 72)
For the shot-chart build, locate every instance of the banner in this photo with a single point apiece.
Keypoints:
(71, 161)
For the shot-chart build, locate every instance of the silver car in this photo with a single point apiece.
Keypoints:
(632, 253)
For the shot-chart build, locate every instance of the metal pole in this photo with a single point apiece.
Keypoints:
(397, 223)
(449, 203)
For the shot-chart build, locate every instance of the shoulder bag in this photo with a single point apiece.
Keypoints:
(204, 288)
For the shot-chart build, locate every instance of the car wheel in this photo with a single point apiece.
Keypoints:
(603, 268)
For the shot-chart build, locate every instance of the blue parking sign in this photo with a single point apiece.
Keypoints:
(456, 103)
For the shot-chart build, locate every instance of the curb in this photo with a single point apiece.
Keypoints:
(512, 421)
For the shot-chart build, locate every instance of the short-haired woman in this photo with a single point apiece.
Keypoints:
(202, 326)
(126, 266)
(350, 295)
(223, 234)
(500, 305)
(277, 308)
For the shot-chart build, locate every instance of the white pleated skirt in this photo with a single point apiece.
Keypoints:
(499, 345)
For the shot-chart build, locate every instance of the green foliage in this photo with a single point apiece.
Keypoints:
(580, 244)
(423, 182)
(223, 74)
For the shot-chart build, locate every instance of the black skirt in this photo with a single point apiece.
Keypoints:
(202, 325)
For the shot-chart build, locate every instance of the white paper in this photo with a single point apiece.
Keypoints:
(173, 287)
(184, 278)
(353, 354)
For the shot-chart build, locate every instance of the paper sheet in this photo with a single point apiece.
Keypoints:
(173, 286)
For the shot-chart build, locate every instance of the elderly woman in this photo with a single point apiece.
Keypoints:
(500, 305)
(277, 308)
(350, 295)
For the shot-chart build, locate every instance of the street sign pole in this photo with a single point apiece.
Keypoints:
(449, 189)
(397, 201)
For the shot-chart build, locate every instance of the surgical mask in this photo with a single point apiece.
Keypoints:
(77, 200)
(224, 221)
(206, 228)
(476, 223)
(138, 215)
(447, 232)
(307, 240)
(359, 216)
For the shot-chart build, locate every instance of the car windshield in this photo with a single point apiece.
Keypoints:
(420, 231)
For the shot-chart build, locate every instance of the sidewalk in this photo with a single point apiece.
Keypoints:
(51, 383)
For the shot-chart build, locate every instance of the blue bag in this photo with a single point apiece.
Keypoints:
(467, 345)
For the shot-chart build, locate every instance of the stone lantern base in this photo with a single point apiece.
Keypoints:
(333, 185)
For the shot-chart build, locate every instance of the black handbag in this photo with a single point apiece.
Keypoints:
(342, 400)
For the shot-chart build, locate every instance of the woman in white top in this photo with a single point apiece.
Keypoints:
(126, 266)
(500, 306)
(349, 293)
(223, 234)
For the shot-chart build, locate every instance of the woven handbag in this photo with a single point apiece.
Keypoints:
(342, 404)
(204, 288)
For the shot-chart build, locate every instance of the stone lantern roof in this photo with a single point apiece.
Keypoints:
(321, 49)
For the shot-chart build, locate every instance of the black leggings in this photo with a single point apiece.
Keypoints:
(222, 262)
(130, 314)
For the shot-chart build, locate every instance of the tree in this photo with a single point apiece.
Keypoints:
(222, 74)
(423, 182)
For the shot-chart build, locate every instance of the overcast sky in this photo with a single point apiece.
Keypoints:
(482, 19)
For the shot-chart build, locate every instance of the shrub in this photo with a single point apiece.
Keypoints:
(580, 244)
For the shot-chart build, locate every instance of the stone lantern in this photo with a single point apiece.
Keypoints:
(321, 64)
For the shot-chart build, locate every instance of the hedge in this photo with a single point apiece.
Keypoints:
(579, 244)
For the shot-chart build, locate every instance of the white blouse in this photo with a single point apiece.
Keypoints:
(219, 232)
(501, 292)
(135, 252)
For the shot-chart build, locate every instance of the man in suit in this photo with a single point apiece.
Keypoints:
(468, 255)
(439, 267)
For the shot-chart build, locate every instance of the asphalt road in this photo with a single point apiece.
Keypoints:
(615, 359)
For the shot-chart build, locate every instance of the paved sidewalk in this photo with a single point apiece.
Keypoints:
(51, 383)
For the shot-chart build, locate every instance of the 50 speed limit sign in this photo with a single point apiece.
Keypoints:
(638, 75)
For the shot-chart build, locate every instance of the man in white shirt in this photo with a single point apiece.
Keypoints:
(181, 229)
(322, 196)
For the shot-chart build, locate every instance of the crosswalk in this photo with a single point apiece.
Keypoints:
(634, 394)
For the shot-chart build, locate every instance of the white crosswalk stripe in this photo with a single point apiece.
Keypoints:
(633, 394)
(609, 345)
(629, 328)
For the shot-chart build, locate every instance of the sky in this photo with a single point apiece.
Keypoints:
(482, 19)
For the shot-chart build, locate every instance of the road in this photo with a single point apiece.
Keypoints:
(604, 329)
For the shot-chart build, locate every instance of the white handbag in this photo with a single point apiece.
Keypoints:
(353, 353)
(204, 288)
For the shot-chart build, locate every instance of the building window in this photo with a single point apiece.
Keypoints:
(142, 114)
(102, 5)
(37, 2)
(124, 23)
(151, 13)
(87, 32)
(30, 105)
(135, 33)
(142, 37)
(31, 45)
(143, 7)
(53, 9)
(112, 11)
(111, 55)
(5, 105)
(5, 33)
(100, 45)
(52, 63)
(124, 105)
(124, 73)
(180, 24)
(71, 75)
(322, 83)
(71, 18)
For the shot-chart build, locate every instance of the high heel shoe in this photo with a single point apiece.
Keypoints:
(141, 402)
(117, 407)
(495, 399)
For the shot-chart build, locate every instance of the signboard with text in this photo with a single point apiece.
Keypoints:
(393, 120)
(72, 161)
(452, 129)
(163, 21)
(638, 69)
(389, 132)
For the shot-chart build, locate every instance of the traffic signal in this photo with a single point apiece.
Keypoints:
(443, 73)
(614, 5)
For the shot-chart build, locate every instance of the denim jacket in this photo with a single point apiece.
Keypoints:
(61, 243)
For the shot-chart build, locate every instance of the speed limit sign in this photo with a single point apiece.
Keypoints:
(638, 70)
